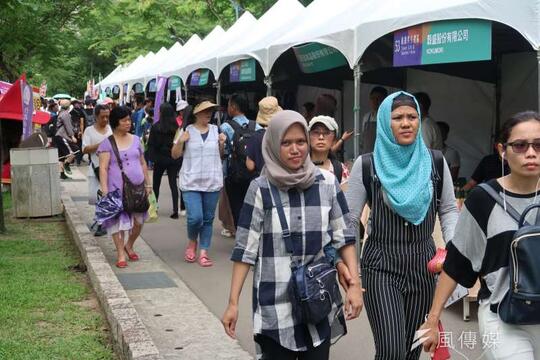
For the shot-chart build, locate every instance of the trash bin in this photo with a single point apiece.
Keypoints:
(35, 182)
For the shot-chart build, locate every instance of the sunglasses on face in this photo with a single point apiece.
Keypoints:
(319, 133)
(522, 146)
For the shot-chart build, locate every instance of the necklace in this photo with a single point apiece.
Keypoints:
(318, 163)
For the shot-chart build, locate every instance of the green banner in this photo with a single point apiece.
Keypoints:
(440, 42)
(315, 57)
(174, 82)
(243, 70)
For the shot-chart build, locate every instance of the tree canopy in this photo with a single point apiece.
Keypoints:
(70, 41)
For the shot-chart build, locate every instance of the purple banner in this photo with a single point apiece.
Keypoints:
(408, 46)
(27, 97)
(161, 82)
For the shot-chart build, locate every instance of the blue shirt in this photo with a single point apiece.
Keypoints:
(137, 119)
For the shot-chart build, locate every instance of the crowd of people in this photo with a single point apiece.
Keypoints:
(293, 205)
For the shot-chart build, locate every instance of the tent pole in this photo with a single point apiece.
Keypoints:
(218, 100)
(268, 83)
(538, 81)
(357, 79)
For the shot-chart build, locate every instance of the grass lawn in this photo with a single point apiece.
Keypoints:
(47, 310)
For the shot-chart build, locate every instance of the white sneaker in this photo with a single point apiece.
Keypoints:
(226, 233)
(182, 212)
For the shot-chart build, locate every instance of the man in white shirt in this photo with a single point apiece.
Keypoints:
(430, 131)
(369, 121)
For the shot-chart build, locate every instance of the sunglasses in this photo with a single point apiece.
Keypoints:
(522, 146)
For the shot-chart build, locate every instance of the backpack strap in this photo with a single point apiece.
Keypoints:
(367, 176)
(338, 169)
(252, 125)
(438, 160)
(497, 197)
(236, 126)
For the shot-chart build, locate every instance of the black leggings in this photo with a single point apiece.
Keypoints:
(271, 350)
(172, 173)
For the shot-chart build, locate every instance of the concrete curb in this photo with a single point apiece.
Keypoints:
(131, 338)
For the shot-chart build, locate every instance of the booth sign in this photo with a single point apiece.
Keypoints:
(199, 77)
(174, 82)
(315, 57)
(242, 70)
(443, 42)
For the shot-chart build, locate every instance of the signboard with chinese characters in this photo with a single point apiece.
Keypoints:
(199, 77)
(443, 42)
(138, 88)
(152, 86)
(243, 70)
(315, 57)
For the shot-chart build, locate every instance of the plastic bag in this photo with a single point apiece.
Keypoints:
(153, 210)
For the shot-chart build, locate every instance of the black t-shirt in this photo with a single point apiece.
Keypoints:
(254, 149)
(489, 168)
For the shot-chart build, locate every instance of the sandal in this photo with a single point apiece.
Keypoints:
(189, 254)
(133, 256)
(121, 264)
(205, 261)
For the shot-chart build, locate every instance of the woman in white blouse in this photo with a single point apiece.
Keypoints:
(201, 178)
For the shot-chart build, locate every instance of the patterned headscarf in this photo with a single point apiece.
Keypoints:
(404, 170)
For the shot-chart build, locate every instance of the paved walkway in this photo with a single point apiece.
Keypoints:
(201, 294)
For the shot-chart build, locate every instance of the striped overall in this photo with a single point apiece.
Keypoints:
(399, 288)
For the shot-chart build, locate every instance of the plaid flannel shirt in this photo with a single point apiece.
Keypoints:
(316, 217)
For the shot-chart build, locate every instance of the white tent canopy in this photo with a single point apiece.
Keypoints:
(350, 26)
(149, 72)
(210, 42)
(208, 55)
(170, 66)
(271, 26)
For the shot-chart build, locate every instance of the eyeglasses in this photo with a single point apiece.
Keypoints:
(318, 133)
(522, 146)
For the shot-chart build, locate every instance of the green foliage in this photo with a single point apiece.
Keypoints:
(46, 310)
(67, 42)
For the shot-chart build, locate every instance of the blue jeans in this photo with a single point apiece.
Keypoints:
(201, 208)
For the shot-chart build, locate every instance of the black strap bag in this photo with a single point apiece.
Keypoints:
(313, 288)
(521, 304)
(134, 197)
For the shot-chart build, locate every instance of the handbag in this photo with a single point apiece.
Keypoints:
(313, 288)
(134, 197)
(521, 303)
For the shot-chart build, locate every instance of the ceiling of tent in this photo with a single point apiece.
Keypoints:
(150, 71)
(272, 25)
(208, 58)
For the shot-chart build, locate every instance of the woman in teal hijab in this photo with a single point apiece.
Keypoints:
(406, 185)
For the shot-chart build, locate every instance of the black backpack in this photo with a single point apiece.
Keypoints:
(368, 173)
(237, 161)
(521, 304)
(50, 126)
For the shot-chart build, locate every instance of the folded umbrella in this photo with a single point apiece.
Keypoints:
(109, 206)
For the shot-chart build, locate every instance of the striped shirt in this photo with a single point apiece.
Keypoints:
(316, 217)
(481, 244)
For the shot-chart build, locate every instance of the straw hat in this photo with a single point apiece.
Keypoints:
(64, 103)
(268, 106)
(205, 105)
